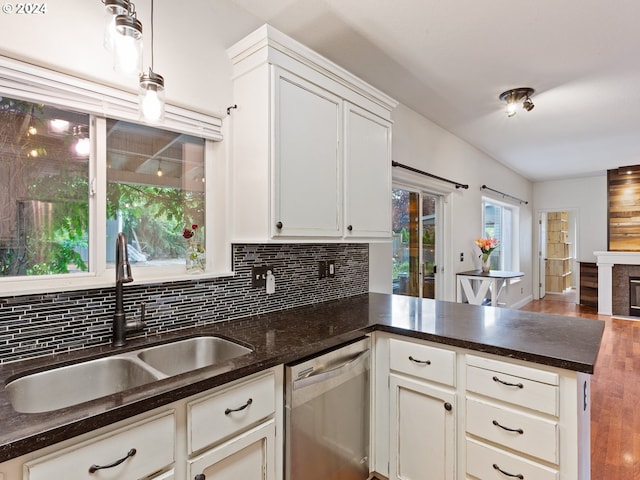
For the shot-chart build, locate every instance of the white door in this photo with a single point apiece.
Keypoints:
(249, 456)
(308, 159)
(367, 174)
(542, 254)
(422, 431)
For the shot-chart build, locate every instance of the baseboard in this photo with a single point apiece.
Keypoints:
(523, 302)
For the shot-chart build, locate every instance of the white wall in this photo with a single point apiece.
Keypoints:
(420, 143)
(189, 46)
(190, 52)
(588, 198)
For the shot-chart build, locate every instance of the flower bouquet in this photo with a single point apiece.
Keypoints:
(486, 246)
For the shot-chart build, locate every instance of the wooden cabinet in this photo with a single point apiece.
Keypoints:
(589, 284)
(422, 413)
(559, 262)
(311, 147)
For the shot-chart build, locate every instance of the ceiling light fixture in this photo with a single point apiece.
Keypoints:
(159, 172)
(516, 95)
(151, 91)
(82, 145)
(127, 45)
(113, 8)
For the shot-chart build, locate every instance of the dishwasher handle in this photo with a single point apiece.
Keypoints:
(323, 375)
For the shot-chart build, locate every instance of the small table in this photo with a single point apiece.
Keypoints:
(476, 284)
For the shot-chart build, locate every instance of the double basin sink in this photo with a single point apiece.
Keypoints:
(81, 382)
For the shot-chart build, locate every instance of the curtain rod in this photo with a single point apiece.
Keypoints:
(504, 195)
(406, 167)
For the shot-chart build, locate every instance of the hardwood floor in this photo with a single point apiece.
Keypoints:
(615, 391)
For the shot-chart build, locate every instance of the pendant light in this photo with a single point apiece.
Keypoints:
(113, 8)
(127, 45)
(151, 91)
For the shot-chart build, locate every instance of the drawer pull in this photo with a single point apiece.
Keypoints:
(229, 410)
(519, 385)
(516, 430)
(95, 468)
(422, 362)
(512, 475)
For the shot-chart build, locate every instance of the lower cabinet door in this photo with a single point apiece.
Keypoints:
(249, 456)
(422, 430)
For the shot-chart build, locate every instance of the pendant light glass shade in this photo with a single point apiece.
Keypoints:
(151, 97)
(112, 8)
(127, 47)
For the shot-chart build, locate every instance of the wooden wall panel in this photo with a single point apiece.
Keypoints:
(624, 210)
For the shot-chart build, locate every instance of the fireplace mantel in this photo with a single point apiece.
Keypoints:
(606, 261)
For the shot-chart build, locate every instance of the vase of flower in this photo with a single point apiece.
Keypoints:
(195, 254)
(486, 262)
(486, 246)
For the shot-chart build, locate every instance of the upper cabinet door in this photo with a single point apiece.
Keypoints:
(307, 159)
(368, 174)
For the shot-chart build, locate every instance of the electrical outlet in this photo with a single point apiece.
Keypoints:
(259, 276)
(322, 269)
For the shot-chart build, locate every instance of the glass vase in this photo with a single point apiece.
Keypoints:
(486, 262)
(195, 257)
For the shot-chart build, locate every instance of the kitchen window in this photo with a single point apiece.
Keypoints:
(77, 167)
(500, 221)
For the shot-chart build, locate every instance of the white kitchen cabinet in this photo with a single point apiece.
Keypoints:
(133, 452)
(367, 158)
(422, 406)
(526, 421)
(422, 431)
(215, 433)
(307, 183)
(247, 456)
(508, 418)
(311, 147)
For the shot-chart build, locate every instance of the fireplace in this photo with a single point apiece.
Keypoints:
(634, 296)
(614, 272)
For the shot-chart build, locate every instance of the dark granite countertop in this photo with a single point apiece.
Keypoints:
(289, 335)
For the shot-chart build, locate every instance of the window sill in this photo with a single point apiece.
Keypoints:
(64, 283)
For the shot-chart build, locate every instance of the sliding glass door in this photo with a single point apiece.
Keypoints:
(415, 242)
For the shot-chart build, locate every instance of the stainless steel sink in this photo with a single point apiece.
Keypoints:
(80, 382)
(191, 353)
(73, 384)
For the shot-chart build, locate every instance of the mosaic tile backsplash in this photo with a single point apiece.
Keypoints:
(35, 325)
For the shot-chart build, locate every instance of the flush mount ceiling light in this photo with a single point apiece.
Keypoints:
(151, 91)
(516, 95)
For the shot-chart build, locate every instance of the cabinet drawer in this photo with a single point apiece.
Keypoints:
(483, 461)
(518, 385)
(430, 363)
(220, 415)
(153, 441)
(533, 435)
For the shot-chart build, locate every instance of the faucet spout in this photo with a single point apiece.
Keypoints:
(123, 275)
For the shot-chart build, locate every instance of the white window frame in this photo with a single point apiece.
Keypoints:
(32, 83)
(514, 247)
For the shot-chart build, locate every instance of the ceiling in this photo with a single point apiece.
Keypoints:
(450, 59)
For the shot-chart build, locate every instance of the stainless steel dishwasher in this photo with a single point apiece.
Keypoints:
(327, 415)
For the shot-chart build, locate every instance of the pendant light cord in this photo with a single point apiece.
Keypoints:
(152, 29)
